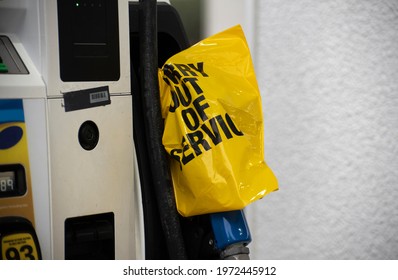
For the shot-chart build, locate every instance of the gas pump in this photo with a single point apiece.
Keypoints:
(77, 149)
(79, 193)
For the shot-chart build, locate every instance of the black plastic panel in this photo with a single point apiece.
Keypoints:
(90, 237)
(88, 40)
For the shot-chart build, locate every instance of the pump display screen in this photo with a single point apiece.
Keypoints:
(7, 181)
(12, 180)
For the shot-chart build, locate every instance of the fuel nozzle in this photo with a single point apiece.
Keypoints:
(231, 234)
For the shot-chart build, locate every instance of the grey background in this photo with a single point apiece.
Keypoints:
(328, 73)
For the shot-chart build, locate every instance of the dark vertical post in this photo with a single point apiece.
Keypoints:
(154, 130)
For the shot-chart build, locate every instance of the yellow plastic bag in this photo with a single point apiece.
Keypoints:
(213, 131)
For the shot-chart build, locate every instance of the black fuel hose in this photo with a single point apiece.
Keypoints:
(154, 129)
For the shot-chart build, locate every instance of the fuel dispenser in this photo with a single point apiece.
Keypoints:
(75, 118)
(78, 151)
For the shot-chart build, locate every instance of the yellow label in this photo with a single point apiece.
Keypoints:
(19, 246)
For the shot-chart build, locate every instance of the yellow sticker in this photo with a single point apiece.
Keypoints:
(19, 246)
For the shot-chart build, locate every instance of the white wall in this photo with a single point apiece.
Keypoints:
(218, 15)
(328, 74)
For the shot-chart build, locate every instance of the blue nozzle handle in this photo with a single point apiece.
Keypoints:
(230, 228)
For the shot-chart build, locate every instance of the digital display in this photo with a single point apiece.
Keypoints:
(7, 181)
(12, 180)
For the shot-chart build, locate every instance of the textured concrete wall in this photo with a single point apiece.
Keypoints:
(328, 73)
